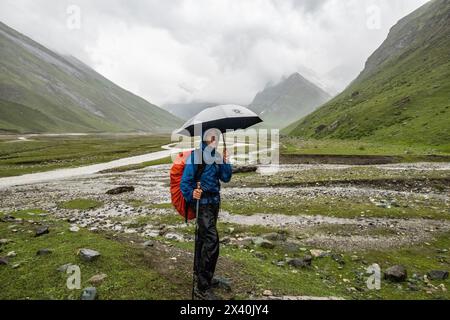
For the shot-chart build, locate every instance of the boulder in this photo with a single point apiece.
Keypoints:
(437, 275)
(89, 255)
(396, 274)
(120, 190)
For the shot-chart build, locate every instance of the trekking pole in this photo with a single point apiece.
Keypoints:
(196, 235)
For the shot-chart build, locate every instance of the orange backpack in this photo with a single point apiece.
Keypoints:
(176, 173)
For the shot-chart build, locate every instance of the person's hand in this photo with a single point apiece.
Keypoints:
(197, 194)
(225, 156)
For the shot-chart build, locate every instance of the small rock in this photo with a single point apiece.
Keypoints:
(4, 241)
(120, 190)
(257, 241)
(260, 255)
(290, 247)
(280, 263)
(275, 236)
(3, 261)
(148, 243)
(396, 274)
(97, 279)
(89, 294)
(74, 229)
(244, 169)
(15, 266)
(437, 275)
(173, 236)
(267, 293)
(301, 262)
(152, 234)
(266, 244)
(221, 283)
(316, 253)
(89, 255)
(41, 231)
(43, 252)
(11, 254)
(64, 267)
(225, 240)
(338, 258)
(8, 218)
(263, 243)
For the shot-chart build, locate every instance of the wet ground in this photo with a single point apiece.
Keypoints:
(423, 212)
(344, 209)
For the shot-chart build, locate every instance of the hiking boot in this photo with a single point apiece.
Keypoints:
(205, 294)
(221, 283)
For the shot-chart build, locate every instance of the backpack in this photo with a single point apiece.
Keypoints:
(176, 173)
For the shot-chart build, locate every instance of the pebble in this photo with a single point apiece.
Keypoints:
(89, 255)
(41, 231)
(97, 279)
(267, 293)
(43, 252)
(74, 229)
(89, 294)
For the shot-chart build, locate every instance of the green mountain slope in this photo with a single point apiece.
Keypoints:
(403, 94)
(41, 91)
(292, 98)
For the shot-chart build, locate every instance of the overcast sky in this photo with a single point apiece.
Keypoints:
(211, 50)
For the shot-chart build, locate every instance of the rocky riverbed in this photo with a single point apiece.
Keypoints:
(151, 198)
(302, 209)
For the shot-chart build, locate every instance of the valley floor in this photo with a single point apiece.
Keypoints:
(344, 217)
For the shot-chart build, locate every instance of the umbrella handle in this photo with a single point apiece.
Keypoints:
(224, 143)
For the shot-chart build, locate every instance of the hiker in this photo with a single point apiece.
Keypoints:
(212, 168)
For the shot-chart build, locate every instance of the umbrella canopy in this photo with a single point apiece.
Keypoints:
(223, 118)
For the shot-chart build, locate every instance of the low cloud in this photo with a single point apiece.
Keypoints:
(221, 50)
